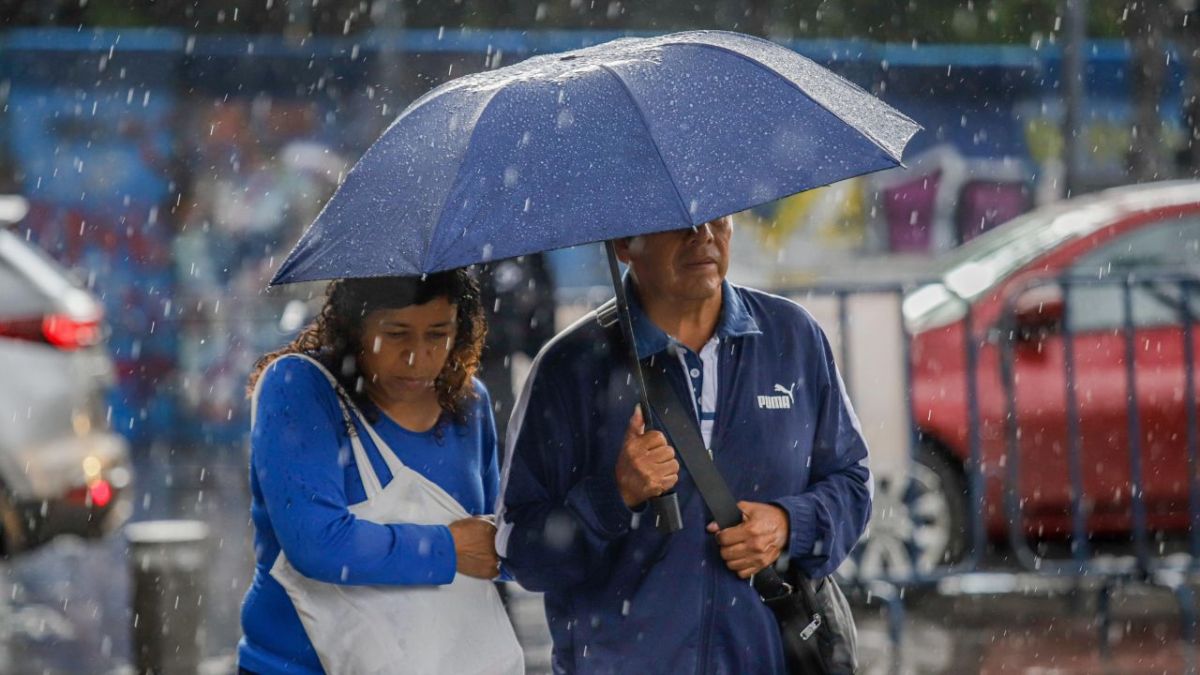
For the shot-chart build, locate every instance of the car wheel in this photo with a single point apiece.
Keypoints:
(918, 522)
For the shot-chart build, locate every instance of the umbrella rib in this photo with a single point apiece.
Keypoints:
(425, 262)
(867, 134)
(654, 143)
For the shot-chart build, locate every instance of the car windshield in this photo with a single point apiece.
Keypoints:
(977, 266)
(982, 262)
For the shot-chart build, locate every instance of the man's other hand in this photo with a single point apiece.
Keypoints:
(646, 466)
(757, 541)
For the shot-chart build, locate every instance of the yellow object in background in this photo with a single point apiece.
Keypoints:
(833, 216)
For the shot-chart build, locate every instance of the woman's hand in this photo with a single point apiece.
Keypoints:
(475, 546)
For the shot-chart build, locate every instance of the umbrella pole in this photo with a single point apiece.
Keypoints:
(666, 506)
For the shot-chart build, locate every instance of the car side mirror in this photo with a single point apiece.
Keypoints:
(1038, 312)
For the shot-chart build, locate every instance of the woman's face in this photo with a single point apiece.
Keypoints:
(404, 350)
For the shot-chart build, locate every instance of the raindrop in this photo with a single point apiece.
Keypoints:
(559, 531)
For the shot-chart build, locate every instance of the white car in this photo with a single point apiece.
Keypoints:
(62, 470)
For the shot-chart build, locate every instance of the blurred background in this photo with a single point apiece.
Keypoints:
(1013, 311)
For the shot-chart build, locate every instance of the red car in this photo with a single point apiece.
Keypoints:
(1148, 230)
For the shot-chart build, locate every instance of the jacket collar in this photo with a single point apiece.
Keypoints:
(735, 320)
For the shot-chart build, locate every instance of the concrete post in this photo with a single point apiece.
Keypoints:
(166, 561)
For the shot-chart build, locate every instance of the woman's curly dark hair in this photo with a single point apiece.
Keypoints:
(334, 338)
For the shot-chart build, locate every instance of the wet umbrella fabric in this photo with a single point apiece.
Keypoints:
(629, 137)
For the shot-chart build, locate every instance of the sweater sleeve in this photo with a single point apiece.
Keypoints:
(827, 519)
(299, 452)
(555, 528)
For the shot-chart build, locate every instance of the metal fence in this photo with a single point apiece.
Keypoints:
(1076, 408)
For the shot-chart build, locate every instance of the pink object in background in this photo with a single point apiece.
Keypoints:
(984, 204)
(909, 210)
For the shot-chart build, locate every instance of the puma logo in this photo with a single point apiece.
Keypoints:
(782, 400)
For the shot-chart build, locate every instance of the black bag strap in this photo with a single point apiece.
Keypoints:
(681, 426)
(679, 423)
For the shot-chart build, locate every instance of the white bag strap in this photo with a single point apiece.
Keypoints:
(389, 458)
(398, 468)
(366, 471)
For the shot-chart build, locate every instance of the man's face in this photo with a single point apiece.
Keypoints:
(680, 265)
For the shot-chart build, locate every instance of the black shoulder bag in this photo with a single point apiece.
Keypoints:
(814, 618)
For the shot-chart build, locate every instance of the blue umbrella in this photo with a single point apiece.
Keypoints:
(630, 137)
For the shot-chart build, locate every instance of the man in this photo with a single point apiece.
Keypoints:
(620, 595)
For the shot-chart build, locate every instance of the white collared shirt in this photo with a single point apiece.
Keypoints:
(701, 372)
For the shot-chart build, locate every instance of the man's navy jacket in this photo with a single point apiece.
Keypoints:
(620, 596)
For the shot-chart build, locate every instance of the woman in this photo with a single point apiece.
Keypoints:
(373, 454)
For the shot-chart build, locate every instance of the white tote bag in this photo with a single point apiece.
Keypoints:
(363, 630)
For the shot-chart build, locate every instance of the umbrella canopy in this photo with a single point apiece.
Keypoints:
(630, 137)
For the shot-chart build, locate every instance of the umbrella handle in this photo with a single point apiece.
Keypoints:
(668, 519)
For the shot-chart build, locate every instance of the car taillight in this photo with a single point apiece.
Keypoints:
(101, 493)
(60, 330)
(68, 332)
(22, 329)
(98, 493)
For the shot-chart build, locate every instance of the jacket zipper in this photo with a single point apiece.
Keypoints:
(724, 367)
